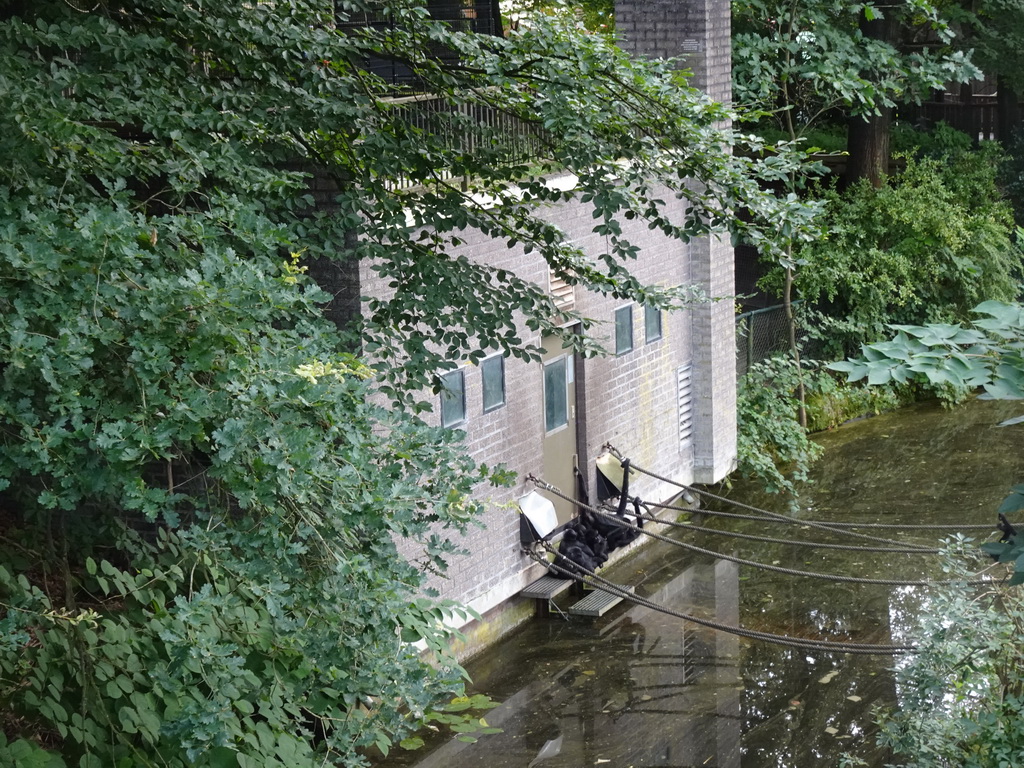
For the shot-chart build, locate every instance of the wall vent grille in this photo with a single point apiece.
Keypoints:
(685, 405)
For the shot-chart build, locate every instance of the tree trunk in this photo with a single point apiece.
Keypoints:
(867, 137)
(867, 142)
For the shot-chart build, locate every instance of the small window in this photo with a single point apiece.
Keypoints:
(453, 398)
(492, 373)
(623, 330)
(652, 323)
(556, 395)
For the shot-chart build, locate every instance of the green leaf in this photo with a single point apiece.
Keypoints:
(1014, 502)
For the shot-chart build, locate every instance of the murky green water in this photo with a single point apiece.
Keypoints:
(640, 688)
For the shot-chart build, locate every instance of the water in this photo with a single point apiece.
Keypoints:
(638, 688)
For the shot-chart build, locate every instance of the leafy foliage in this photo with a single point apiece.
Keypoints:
(1010, 547)
(994, 31)
(830, 403)
(157, 390)
(989, 355)
(204, 485)
(770, 440)
(801, 61)
(962, 692)
(924, 248)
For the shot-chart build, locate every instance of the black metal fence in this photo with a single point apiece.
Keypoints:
(976, 117)
(760, 334)
(463, 127)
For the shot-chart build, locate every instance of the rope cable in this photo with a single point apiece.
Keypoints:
(773, 515)
(901, 546)
(812, 523)
(813, 544)
(875, 649)
(741, 561)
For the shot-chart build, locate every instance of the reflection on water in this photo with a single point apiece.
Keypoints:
(640, 688)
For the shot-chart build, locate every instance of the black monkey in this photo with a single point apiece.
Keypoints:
(1006, 529)
(609, 527)
(573, 556)
(1009, 533)
(636, 511)
(598, 545)
(624, 493)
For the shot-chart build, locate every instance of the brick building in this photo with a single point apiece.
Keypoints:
(666, 397)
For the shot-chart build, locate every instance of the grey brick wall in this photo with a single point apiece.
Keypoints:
(699, 30)
(629, 400)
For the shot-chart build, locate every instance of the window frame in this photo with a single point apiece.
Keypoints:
(650, 312)
(447, 394)
(550, 364)
(500, 359)
(626, 310)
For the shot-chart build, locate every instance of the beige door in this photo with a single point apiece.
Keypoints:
(559, 422)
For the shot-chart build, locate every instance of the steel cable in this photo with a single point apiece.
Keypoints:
(739, 560)
(873, 649)
(764, 512)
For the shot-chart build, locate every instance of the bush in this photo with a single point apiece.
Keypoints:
(831, 402)
(1011, 174)
(771, 441)
(926, 247)
(941, 141)
(197, 555)
(962, 692)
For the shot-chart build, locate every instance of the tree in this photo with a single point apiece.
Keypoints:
(821, 60)
(203, 482)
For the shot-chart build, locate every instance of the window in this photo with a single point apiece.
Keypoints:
(556, 395)
(652, 324)
(492, 373)
(453, 398)
(623, 330)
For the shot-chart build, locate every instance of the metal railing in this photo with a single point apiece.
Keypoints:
(977, 117)
(463, 128)
(760, 334)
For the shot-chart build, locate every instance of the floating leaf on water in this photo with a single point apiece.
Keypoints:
(828, 678)
(853, 698)
(832, 731)
(589, 672)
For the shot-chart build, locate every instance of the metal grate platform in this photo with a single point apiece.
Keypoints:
(546, 587)
(597, 603)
